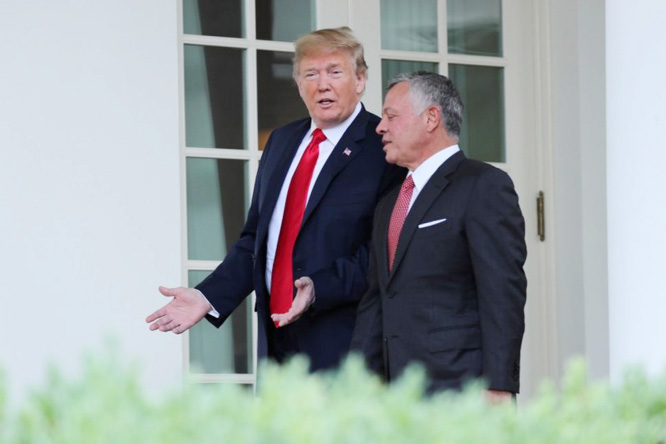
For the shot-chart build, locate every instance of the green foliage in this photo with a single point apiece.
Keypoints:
(106, 405)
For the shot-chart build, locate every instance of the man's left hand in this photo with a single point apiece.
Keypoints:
(305, 296)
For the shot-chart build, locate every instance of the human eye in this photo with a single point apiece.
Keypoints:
(337, 72)
(310, 75)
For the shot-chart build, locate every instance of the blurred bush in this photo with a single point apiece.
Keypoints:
(106, 405)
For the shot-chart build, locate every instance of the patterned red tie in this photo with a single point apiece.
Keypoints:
(282, 280)
(398, 218)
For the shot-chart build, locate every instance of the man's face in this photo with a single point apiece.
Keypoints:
(329, 87)
(402, 130)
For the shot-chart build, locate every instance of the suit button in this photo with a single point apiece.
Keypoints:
(391, 295)
(385, 339)
(299, 269)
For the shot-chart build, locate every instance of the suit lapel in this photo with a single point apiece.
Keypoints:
(276, 175)
(433, 188)
(346, 149)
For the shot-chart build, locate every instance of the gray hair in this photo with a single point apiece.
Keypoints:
(430, 89)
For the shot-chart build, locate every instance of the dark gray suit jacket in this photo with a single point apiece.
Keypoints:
(454, 300)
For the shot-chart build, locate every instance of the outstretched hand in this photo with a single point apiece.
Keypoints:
(305, 296)
(186, 308)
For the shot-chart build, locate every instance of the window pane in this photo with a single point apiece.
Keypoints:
(212, 17)
(409, 25)
(391, 68)
(214, 97)
(284, 20)
(217, 199)
(278, 99)
(475, 27)
(224, 350)
(482, 92)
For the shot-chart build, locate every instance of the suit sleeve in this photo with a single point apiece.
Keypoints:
(232, 281)
(496, 236)
(346, 280)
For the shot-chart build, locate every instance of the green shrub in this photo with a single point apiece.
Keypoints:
(106, 405)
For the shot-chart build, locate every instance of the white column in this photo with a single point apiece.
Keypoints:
(89, 186)
(636, 123)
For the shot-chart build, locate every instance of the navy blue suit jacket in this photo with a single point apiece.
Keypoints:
(454, 300)
(332, 245)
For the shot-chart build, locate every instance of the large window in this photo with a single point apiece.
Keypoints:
(468, 49)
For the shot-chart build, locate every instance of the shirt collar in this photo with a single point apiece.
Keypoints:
(334, 134)
(422, 174)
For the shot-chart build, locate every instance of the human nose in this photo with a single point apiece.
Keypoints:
(381, 128)
(322, 83)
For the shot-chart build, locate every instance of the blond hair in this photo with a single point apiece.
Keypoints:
(324, 41)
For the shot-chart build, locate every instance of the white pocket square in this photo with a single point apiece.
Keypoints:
(431, 223)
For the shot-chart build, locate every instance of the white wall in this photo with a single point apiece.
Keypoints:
(89, 183)
(592, 75)
(565, 232)
(636, 93)
(579, 162)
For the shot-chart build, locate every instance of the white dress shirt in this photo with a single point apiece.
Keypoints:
(422, 174)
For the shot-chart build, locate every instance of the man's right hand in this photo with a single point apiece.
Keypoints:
(187, 307)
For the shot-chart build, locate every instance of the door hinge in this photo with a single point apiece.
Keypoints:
(541, 220)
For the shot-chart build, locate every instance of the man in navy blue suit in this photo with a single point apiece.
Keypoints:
(327, 254)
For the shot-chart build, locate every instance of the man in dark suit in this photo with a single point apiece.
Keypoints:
(310, 219)
(446, 281)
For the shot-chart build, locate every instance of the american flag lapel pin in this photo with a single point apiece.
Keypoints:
(347, 152)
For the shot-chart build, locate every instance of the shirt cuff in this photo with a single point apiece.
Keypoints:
(214, 313)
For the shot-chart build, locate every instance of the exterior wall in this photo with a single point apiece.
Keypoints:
(592, 72)
(89, 184)
(636, 93)
(578, 225)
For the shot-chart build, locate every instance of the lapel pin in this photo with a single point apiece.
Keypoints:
(347, 152)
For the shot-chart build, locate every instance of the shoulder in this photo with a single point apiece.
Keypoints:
(482, 170)
(364, 130)
(369, 119)
(289, 129)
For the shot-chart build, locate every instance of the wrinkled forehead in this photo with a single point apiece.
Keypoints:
(312, 55)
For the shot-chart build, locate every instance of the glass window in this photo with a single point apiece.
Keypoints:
(482, 91)
(409, 25)
(474, 27)
(214, 97)
(284, 20)
(277, 93)
(217, 202)
(215, 18)
(224, 350)
(391, 68)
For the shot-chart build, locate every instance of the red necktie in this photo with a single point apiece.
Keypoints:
(282, 280)
(398, 218)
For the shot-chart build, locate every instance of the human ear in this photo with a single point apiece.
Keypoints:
(433, 118)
